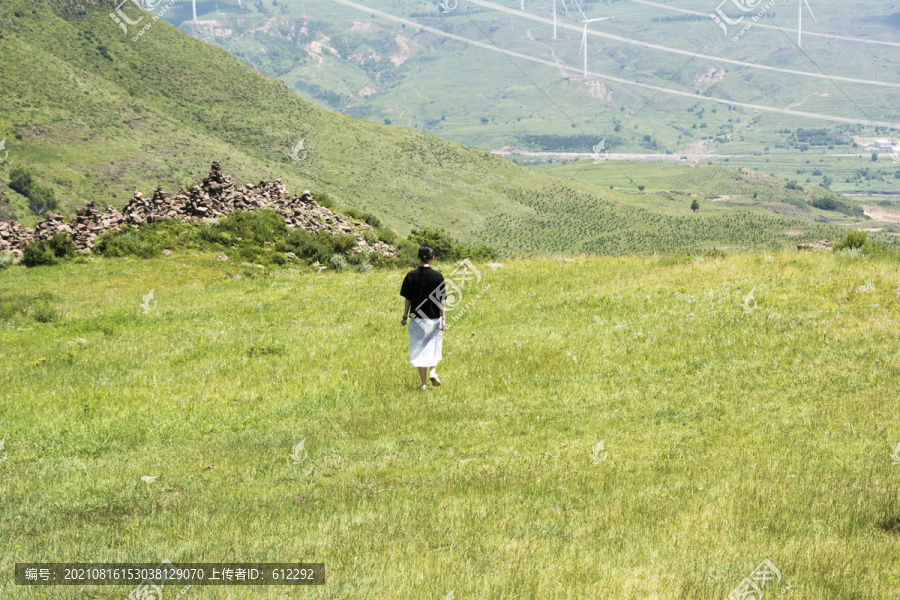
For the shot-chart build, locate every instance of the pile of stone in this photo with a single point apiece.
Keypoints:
(213, 199)
(820, 246)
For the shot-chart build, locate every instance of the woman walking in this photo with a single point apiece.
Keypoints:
(424, 292)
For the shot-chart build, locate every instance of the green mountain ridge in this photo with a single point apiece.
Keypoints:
(97, 116)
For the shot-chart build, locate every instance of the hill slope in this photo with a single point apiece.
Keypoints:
(97, 115)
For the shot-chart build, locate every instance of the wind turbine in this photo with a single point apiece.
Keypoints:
(584, 39)
(800, 20)
(554, 16)
(194, 5)
(584, 44)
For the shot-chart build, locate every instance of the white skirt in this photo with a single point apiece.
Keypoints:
(424, 342)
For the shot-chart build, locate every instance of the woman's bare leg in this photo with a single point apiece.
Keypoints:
(423, 375)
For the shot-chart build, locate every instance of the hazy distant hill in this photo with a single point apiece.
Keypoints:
(486, 75)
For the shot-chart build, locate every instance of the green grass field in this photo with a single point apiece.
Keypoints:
(735, 428)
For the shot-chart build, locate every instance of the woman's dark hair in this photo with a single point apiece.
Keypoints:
(426, 253)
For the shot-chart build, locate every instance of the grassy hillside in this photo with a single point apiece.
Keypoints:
(97, 116)
(747, 409)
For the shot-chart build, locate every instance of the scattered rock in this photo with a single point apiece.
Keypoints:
(223, 257)
(149, 479)
(820, 246)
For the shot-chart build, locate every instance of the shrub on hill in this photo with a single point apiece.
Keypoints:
(38, 253)
(364, 216)
(40, 198)
(446, 248)
(62, 245)
(829, 203)
(128, 241)
(853, 239)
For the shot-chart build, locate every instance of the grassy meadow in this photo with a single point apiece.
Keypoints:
(736, 427)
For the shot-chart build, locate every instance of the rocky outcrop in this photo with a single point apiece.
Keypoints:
(820, 246)
(213, 199)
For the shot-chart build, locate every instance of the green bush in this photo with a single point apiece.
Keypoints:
(305, 245)
(853, 239)
(343, 243)
(387, 235)
(363, 216)
(62, 245)
(6, 260)
(338, 262)
(408, 255)
(128, 241)
(40, 198)
(258, 227)
(370, 237)
(38, 253)
(825, 203)
(446, 248)
(21, 180)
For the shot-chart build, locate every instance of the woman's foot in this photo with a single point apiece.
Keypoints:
(434, 378)
(423, 388)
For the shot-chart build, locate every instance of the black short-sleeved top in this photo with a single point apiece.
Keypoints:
(424, 288)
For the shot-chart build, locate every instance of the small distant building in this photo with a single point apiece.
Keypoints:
(883, 145)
